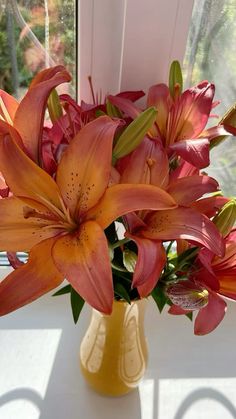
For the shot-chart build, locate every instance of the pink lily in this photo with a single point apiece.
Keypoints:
(181, 121)
(149, 164)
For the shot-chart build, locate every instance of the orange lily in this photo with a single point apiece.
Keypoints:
(61, 221)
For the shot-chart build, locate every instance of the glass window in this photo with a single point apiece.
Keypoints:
(35, 34)
(211, 55)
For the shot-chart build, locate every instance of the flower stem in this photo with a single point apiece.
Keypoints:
(119, 243)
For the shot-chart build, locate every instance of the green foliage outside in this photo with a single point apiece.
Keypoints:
(20, 56)
(211, 55)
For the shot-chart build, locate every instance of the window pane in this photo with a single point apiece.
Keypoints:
(211, 55)
(35, 34)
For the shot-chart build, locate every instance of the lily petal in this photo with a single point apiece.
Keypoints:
(190, 112)
(84, 170)
(149, 265)
(121, 199)
(8, 130)
(183, 170)
(83, 258)
(188, 189)
(125, 105)
(24, 177)
(159, 96)
(210, 205)
(30, 281)
(183, 223)
(18, 231)
(29, 116)
(196, 151)
(209, 317)
(147, 164)
(177, 310)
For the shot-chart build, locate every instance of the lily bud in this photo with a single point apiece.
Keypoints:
(226, 217)
(54, 106)
(133, 135)
(175, 79)
(129, 260)
(187, 294)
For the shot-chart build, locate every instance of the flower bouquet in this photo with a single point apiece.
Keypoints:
(111, 197)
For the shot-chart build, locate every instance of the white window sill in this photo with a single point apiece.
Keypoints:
(188, 376)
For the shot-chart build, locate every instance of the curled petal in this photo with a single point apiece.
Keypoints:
(30, 281)
(121, 199)
(29, 116)
(83, 258)
(184, 223)
(209, 317)
(149, 265)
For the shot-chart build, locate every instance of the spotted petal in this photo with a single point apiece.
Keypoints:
(184, 223)
(84, 170)
(121, 199)
(83, 258)
(19, 231)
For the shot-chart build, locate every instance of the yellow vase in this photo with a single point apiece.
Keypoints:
(113, 352)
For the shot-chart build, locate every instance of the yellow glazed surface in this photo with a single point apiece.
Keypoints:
(113, 353)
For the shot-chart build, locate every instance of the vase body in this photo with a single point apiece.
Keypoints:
(113, 352)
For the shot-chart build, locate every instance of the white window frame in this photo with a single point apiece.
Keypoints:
(129, 44)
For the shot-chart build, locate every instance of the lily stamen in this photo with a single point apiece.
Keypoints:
(5, 113)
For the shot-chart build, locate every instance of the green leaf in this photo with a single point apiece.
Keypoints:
(64, 290)
(121, 292)
(112, 110)
(98, 113)
(190, 316)
(77, 303)
(175, 78)
(133, 135)
(159, 297)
